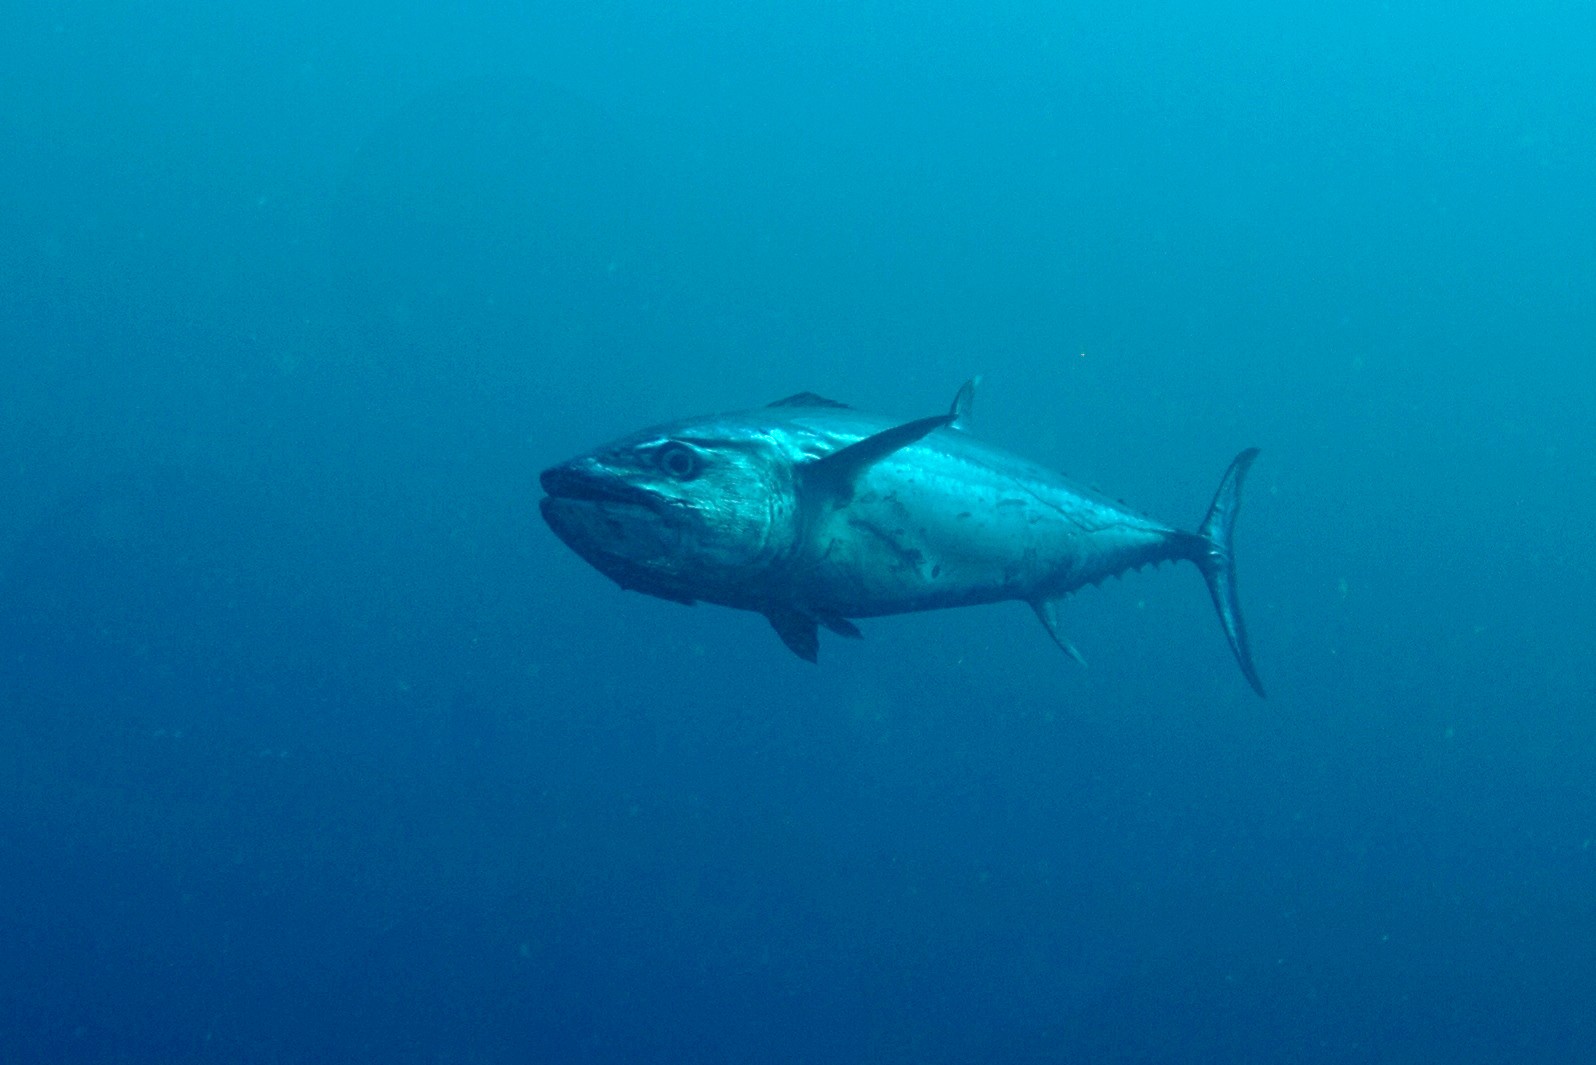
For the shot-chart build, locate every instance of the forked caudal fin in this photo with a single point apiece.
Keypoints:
(1216, 559)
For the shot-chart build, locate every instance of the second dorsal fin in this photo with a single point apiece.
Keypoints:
(963, 403)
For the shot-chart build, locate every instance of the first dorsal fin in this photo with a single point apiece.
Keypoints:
(807, 399)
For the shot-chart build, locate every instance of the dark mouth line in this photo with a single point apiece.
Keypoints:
(590, 494)
(563, 484)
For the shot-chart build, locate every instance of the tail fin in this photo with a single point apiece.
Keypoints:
(1215, 559)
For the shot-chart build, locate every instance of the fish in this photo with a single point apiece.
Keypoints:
(816, 515)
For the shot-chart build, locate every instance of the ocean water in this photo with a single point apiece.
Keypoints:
(317, 746)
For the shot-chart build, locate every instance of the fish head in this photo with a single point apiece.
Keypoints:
(694, 510)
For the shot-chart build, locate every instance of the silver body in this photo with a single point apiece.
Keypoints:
(812, 513)
(951, 521)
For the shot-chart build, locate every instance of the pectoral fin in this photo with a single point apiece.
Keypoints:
(831, 479)
(1047, 613)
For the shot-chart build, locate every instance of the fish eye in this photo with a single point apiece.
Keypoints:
(679, 461)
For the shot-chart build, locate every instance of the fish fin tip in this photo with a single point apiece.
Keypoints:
(1215, 556)
(835, 475)
(840, 625)
(1047, 614)
(798, 631)
(964, 404)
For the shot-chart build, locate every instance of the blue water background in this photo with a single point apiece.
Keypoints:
(316, 746)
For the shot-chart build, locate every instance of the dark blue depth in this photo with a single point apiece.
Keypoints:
(316, 746)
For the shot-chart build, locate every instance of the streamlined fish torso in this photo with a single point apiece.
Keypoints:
(951, 521)
(812, 514)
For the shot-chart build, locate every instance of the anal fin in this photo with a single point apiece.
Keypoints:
(1047, 613)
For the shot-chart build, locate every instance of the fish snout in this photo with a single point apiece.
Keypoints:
(552, 478)
(582, 480)
(576, 479)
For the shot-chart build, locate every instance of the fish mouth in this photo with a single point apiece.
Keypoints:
(568, 483)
